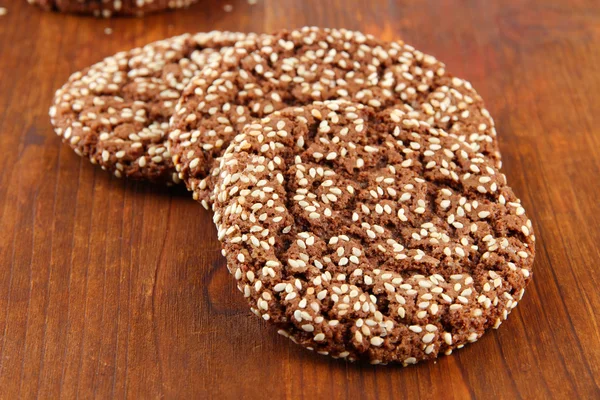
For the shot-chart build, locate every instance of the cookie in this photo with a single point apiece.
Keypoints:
(116, 112)
(109, 8)
(370, 235)
(298, 67)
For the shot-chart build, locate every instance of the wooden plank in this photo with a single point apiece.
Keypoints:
(117, 289)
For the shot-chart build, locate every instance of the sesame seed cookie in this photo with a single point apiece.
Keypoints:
(298, 67)
(365, 234)
(116, 112)
(109, 8)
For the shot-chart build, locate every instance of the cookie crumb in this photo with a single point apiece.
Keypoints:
(228, 8)
(108, 31)
(3, 11)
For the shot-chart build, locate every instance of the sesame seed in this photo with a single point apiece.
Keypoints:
(428, 338)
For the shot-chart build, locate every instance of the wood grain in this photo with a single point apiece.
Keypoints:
(111, 288)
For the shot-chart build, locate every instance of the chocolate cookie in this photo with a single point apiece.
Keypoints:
(367, 234)
(117, 111)
(298, 67)
(109, 8)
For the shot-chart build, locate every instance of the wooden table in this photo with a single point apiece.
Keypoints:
(115, 288)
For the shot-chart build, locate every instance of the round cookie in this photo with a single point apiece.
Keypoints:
(116, 112)
(109, 8)
(298, 67)
(367, 234)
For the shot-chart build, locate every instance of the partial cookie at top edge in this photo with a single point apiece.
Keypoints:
(111, 8)
(116, 112)
(371, 235)
(298, 67)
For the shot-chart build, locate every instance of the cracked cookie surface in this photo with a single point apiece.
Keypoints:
(116, 112)
(369, 234)
(293, 68)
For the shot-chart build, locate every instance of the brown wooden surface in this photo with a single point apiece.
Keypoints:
(115, 288)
